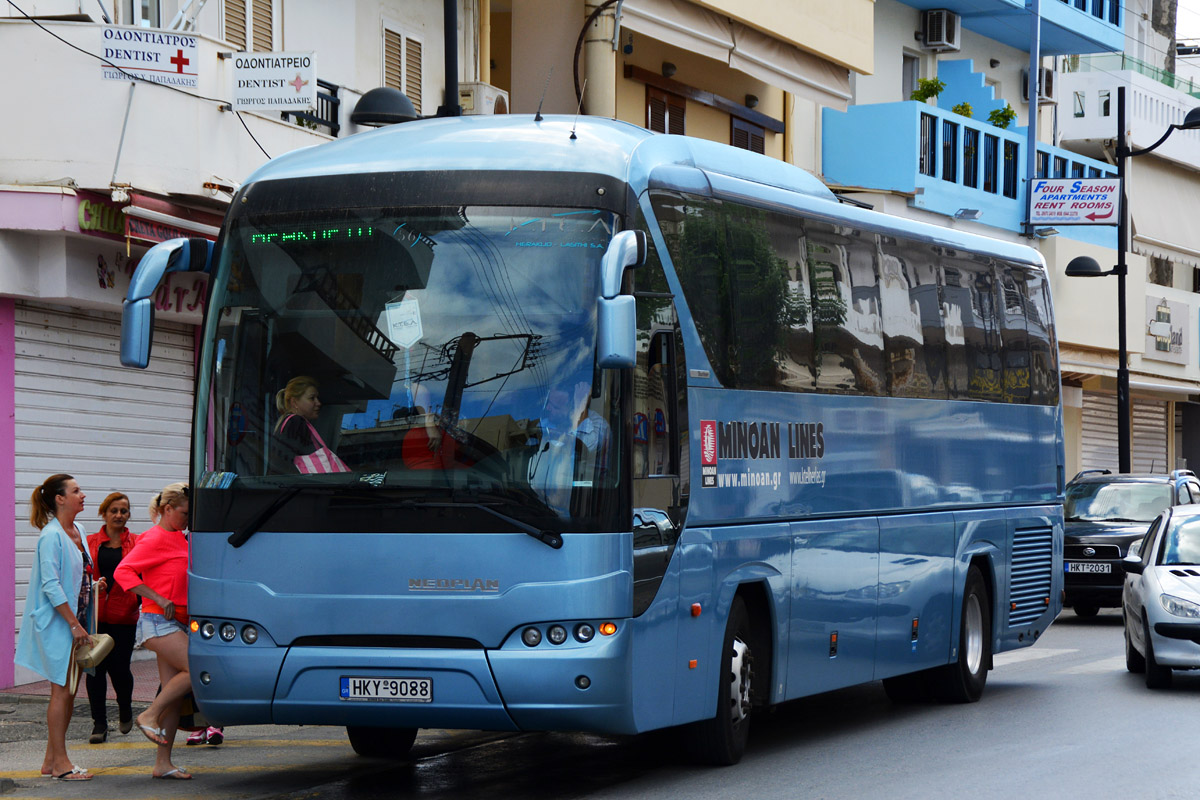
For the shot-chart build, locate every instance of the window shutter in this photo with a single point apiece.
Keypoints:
(412, 72)
(264, 28)
(235, 23)
(393, 63)
(402, 65)
(664, 111)
(747, 136)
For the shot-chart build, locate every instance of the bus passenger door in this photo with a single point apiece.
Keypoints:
(835, 581)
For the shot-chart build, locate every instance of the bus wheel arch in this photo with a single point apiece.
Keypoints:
(963, 679)
(745, 649)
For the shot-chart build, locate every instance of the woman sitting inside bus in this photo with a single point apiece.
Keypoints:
(299, 404)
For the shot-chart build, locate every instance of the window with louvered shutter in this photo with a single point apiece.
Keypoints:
(402, 64)
(747, 136)
(264, 28)
(664, 111)
(235, 23)
(412, 71)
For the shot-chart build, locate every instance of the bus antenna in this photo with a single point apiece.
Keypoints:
(538, 116)
(578, 108)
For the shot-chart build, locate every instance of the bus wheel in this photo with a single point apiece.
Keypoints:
(963, 681)
(381, 742)
(721, 741)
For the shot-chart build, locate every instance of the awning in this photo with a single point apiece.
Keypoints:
(151, 219)
(1162, 203)
(745, 49)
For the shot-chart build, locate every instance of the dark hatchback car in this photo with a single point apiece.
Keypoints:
(1104, 514)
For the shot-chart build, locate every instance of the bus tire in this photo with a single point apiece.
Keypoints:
(721, 741)
(963, 681)
(394, 743)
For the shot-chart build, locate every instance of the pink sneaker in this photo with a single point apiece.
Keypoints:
(214, 736)
(199, 737)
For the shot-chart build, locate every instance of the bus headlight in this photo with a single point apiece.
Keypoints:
(228, 632)
(557, 634)
(584, 632)
(531, 636)
(207, 629)
(249, 634)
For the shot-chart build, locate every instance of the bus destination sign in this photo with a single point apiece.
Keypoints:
(1075, 201)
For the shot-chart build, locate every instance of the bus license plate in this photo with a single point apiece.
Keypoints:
(1083, 566)
(396, 690)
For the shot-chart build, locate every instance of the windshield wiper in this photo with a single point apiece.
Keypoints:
(1125, 519)
(547, 537)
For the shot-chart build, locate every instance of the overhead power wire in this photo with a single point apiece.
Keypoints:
(137, 78)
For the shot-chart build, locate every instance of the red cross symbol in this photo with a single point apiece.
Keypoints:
(179, 61)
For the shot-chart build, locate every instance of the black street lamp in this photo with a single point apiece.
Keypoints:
(1086, 267)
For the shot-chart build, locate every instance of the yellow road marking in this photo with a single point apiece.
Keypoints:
(146, 744)
(206, 769)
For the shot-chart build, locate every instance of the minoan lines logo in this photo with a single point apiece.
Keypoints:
(708, 452)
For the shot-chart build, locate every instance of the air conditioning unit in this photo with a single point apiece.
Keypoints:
(941, 30)
(1047, 89)
(482, 98)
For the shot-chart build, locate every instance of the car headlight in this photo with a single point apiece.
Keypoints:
(1179, 607)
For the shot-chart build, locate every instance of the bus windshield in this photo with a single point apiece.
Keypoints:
(417, 357)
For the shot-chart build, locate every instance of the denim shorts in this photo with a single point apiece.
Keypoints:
(150, 626)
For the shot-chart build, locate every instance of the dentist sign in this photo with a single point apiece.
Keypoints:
(1075, 201)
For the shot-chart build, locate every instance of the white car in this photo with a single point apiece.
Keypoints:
(1160, 601)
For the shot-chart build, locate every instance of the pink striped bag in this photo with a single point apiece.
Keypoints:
(320, 461)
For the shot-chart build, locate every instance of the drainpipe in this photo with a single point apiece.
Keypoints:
(1035, 63)
(485, 41)
(600, 62)
(450, 108)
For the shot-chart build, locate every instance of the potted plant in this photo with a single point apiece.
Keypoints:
(1002, 117)
(927, 88)
(963, 109)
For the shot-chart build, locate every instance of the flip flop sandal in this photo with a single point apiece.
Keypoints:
(156, 735)
(177, 774)
(75, 774)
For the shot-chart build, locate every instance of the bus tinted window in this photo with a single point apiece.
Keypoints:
(785, 302)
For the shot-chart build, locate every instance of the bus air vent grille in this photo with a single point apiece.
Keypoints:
(1032, 574)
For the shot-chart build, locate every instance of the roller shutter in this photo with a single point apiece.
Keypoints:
(1099, 433)
(77, 410)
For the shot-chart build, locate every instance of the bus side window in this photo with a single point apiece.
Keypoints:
(659, 437)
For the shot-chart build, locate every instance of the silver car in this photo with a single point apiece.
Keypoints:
(1160, 601)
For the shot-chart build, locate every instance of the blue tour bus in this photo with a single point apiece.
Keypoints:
(641, 431)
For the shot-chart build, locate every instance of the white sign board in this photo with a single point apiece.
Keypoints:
(1075, 201)
(404, 322)
(1166, 322)
(158, 56)
(274, 82)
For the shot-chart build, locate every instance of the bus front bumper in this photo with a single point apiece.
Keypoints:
(571, 686)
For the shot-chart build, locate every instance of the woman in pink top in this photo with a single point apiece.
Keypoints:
(156, 568)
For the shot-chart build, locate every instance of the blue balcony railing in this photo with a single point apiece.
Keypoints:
(947, 162)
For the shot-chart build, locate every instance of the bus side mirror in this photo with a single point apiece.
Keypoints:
(616, 318)
(137, 313)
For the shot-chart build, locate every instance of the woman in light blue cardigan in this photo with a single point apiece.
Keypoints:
(50, 628)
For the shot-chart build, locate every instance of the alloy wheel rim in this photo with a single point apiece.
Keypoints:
(739, 687)
(974, 634)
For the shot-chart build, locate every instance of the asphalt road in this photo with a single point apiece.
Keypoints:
(1062, 719)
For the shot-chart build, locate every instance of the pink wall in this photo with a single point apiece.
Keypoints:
(8, 491)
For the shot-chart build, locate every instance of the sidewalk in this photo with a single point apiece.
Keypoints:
(145, 684)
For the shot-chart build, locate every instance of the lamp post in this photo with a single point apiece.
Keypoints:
(1087, 267)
